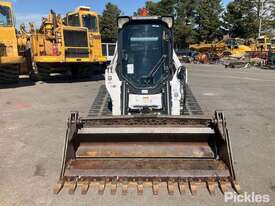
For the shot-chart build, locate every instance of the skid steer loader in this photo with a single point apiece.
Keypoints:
(147, 142)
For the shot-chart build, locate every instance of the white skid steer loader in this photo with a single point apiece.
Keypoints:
(147, 142)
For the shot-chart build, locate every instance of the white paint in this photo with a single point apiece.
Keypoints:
(209, 94)
(139, 101)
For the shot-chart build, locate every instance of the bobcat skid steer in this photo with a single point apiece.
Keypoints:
(146, 142)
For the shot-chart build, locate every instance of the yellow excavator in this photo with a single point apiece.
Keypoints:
(67, 45)
(10, 60)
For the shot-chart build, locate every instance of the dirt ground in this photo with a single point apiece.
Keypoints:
(33, 123)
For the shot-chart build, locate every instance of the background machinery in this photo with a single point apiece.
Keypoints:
(72, 44)
(10, 60)
(147, 142)
(270, 63)
(232, 47)
(263, 44)
(272, 44)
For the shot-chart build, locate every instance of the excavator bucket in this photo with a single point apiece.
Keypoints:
(182, 153)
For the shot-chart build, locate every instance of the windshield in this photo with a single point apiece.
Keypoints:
(73, 20)
(261, 41)
(90, 22)
(5, 16)
(145, 49)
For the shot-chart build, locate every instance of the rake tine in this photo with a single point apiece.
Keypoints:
(155, 186)
(140, 188)
(171, 187)
(71, 186)
(236, 186)
(224, 186)
(58, 187)
(113, 187)
(211, 186)
(84, 187)
(183, 187)
(101, 187)
(124, 187)
(193, 186)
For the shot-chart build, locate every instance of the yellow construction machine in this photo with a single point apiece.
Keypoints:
(69, 45)
(263, 44)
(234, 47)
(272, 47)
(10, 60)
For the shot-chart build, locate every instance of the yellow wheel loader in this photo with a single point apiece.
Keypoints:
(263, 44)
(147, 141)
(10, 60)
(69, 45)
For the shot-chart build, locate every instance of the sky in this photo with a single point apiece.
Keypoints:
(33, 10)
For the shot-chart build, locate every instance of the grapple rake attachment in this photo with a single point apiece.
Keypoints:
(116, 153)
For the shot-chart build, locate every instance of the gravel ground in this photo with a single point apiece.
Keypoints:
(33, 123)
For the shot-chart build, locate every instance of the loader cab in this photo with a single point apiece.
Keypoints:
(83, 17)
(145, 50)
(144, 64)
(6, 15)
(8, 39)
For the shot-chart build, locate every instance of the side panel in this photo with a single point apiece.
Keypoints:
(177, 92)
(113, 85)
(8, 42)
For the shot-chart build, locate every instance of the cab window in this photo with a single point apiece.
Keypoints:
(5, 16)
(73, 20)
(90, 22)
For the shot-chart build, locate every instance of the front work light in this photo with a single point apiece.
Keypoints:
(169, 20)
(121, 21)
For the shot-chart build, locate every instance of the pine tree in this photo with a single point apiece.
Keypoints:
(241, 19)
(183, 11)
(185, 21)
(108, 23)
(208, 20)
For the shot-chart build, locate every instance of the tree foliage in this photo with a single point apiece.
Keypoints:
(241, 19)
(208, 20)
(108, 23)
(201, 20)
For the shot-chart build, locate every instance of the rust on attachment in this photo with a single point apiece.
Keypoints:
(194, 153)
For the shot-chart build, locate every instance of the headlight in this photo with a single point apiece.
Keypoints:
(121, 21)
(169, 20)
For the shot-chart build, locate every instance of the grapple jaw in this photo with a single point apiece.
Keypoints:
(178, 152)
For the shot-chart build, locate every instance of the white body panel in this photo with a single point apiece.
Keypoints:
(139, 101)
(113, 85)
